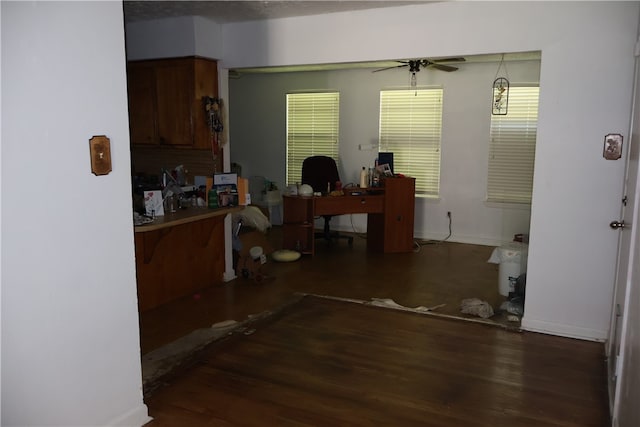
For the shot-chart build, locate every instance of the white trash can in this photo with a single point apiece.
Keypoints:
(512, 258)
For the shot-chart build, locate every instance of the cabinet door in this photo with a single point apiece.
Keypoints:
(174, 81)
(297, 228)
(392, 231)
(399, 214)
(142, 104)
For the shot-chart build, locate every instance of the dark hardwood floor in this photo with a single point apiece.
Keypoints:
(326, 362)
(436, 274)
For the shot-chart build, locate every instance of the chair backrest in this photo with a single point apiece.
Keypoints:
(317, 171)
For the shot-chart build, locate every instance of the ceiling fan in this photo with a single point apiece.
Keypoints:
(415, 64)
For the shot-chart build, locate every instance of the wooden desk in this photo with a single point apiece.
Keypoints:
(389, 221)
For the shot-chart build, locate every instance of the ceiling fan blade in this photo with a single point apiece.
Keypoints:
(442, 67)
(457, 59)
(390, 68)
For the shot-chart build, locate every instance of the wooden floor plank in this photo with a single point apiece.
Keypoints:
(435, 274)
(325, 362)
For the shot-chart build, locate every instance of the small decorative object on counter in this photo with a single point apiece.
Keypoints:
(170, 203)
(363, 178)
(212, 198)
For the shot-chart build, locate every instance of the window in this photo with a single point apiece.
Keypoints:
(410, 128)
(312, 129)
(512, 148)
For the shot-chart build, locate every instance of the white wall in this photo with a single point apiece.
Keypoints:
(586, 46)
(160, 38)
(208, 38)
(176, 37)
(258, 131)
(70, 340)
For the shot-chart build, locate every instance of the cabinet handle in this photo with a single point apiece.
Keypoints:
(363, 201)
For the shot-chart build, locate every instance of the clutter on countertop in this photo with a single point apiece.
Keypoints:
(141, 219)
(226, 188)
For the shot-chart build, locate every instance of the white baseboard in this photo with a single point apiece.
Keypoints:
(418, 235)
(229, 276)
(137, 417)
(457, 238)
(562, 330)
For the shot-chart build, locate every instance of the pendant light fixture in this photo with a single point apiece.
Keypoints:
(414, 67)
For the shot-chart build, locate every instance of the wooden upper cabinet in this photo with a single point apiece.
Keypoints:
(205, 84)
(165, 101)
(173, 100)
(142, 105)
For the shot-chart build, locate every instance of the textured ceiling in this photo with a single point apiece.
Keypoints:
(224, 11)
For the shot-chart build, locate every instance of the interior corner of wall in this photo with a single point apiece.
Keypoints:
(137, 416)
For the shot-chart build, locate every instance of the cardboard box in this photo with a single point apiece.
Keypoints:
(244, 197)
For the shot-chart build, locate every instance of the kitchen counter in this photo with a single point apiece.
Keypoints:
(179, 254)
(185, 216)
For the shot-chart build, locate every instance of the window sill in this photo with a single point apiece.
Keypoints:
(508, 205)
(427, 198)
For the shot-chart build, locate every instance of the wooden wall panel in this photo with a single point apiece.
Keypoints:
(178, 261)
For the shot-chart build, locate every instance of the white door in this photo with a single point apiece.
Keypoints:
(626, 283)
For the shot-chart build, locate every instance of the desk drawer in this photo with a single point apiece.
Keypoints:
(342, 205)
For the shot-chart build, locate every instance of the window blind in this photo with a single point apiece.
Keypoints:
(312, 129)
(512, 148)
(410, 128)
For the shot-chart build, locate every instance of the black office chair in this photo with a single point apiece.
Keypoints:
(321, 173)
